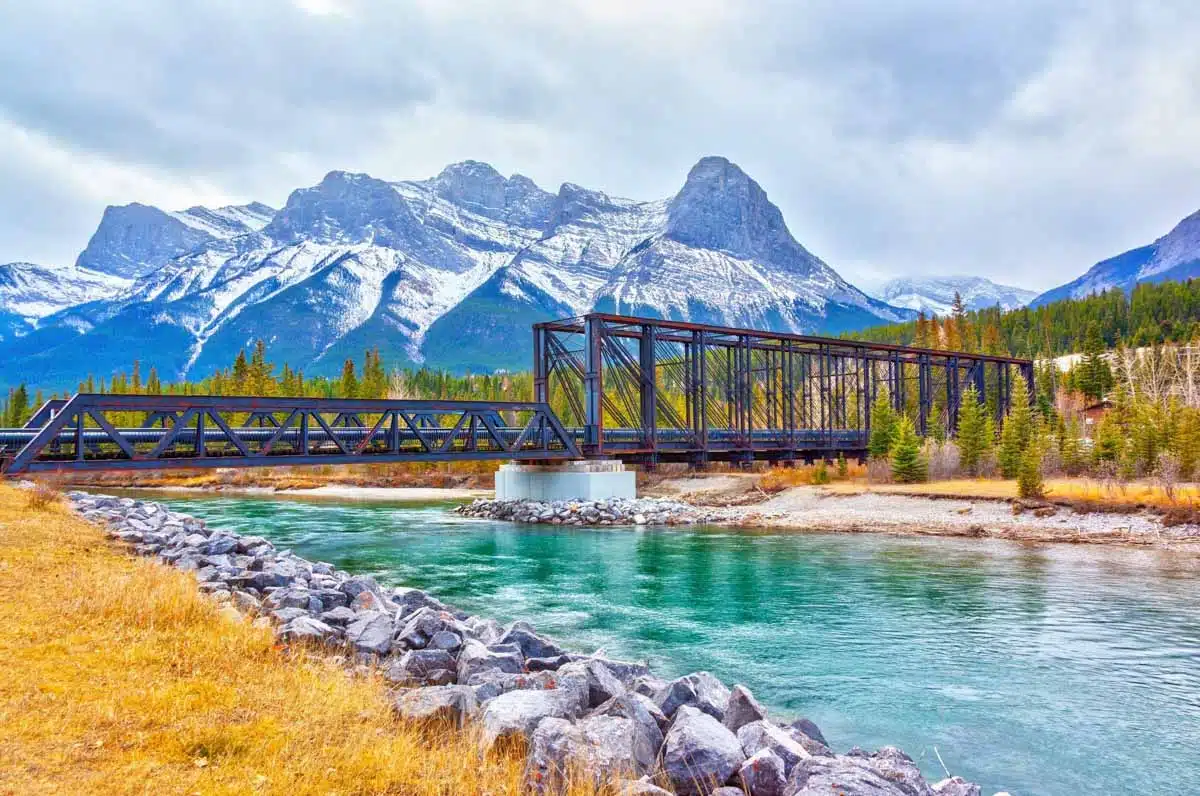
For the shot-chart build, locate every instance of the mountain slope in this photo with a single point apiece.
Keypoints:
(31, 292)
(1175, 256)
(449, 271)
(935, 295)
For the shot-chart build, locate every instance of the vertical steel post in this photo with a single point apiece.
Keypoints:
(593, 385)
(648, 387)
(540, 370)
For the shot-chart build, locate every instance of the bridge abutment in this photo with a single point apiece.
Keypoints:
(601, 479)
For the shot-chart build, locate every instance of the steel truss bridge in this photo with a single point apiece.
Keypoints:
(606, 386)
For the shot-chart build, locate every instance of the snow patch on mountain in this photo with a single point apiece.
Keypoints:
(1175, 256)
(35, 291)
(935, 295)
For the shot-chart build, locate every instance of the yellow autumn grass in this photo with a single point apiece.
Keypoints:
(1138, 493)
(118, 676)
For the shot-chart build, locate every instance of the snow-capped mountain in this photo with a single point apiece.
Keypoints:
(935, 295)
(134, 239)
(30, 292)
(449, 271)
(1175, 256)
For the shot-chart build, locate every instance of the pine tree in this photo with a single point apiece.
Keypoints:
(153, 385)
(348, 384)
(1095, 377)
(972, 437)
(843, 466)
(18, 407)
(908, 463)
(1016, 433)
(1029, 475)
(883, 427)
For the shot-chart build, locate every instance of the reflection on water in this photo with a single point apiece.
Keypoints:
(1043, 670)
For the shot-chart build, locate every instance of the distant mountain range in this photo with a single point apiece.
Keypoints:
(935, 295)
(449, 271)
(1175, 256)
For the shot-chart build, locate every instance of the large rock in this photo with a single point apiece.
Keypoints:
(409, 600)
(742, 709)
(699, 753)
(516, 714)
(371, 633)
(759, 735)
(491, 684)
(556, 747)
(602, 746)
(762, 774)
(530, 643)
(475, 658)
(700, 690)
(416, 666)
(853, 775)
(305, 628)
(810, 729)
(593, 675)
(640, 787)
(356, 585)
(419, 627)
(896, 767)
(453, 703)
(956, 786)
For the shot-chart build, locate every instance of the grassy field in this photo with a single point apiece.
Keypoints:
(119, 677)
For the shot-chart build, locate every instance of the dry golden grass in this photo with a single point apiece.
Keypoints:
(120, 677)
(1076, 490)
(779, 478)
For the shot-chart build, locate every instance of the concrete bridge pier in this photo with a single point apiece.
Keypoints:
(599, 479)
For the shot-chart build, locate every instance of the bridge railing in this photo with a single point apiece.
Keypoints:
(115, 432)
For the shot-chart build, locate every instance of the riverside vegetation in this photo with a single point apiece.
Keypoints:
(575, 722)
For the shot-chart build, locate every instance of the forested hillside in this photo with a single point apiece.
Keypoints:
(1151, 313)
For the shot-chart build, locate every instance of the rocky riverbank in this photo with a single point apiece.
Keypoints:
(570, 711)
(615, 511)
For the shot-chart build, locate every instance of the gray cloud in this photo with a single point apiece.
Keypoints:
(1020, 140)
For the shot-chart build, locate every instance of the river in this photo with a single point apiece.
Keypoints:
(1055, 670)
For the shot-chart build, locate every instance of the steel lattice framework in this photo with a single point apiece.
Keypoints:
(653, 390)
(638, 389)
(123, 432)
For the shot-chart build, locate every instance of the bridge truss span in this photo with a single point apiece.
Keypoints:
(123, 432)
(656, 390)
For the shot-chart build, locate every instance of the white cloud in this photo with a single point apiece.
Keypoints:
(1022, 140)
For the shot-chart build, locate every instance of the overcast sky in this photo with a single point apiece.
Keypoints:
(1018, 140)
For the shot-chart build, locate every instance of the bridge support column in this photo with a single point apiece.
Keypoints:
(600, 479)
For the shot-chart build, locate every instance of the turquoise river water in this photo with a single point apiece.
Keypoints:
(1038, 669)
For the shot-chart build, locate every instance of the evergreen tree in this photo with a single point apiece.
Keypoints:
(1069, 448)
(883, 427)
(843, 467)
(18, 407)
(972, 434)
(153, 385)
(1029, 475)
(1095, 377)
(348, 383)
(241, 372)
(1015, 433)
(908, 463)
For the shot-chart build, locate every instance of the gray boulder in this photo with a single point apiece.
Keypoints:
(742, 709)
(617, 745)
(409, 600)
(517, 714)
(640, 787)
(699, 754)
(445, 640)
(956, 786)
(810, 729)
(339, 616)
(451, 703)
(556, 746)
(593, 675)
(421, 626)
(491, 684)
(649, 719)
(700, 690)
(415, 666)
(475, 658)
(530, 643)
(855, 774)
(371, 633)
(897, 767)
(759, 735)
(357, 584)
(305, 628)
(762, 774)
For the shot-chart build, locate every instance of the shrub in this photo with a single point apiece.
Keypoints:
(944, 460)
(820, 474)
(41, 496)
(843, 466)
(1029, 476)
(908, 464)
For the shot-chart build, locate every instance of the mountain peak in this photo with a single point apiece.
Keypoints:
(345, 207)
(134, 239)
(721, 207)
(479, 187)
